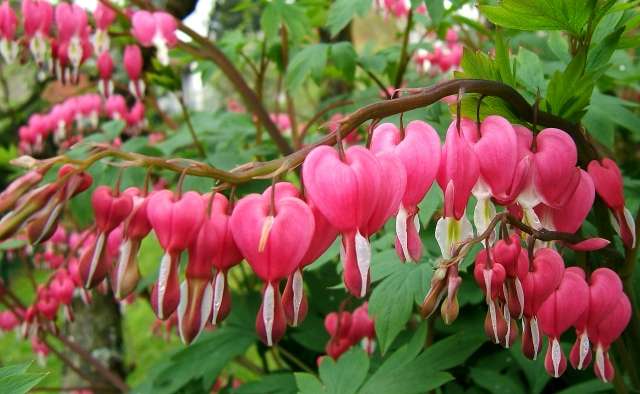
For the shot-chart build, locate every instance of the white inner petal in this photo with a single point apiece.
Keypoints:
(631, 224)
(600, 363)
(401, 231)
(507, 318)
(123, 259)
(535, 336)
(520, 295)
(218, 293)
(95, 258)
(556, 356)
(584, 349)
(163, 278)
(205, 307)
(182, 307)
(363, 257)
(297, 295)
(494, 321)
(268, 312)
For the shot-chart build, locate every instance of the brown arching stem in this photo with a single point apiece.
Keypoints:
(419, 98)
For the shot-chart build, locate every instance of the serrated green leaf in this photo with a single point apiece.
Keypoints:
(530, 71)
(275, 383)
(278, 13)
(342, 11)
(503, 60)
(559, 46)
(392, 301)
(600, 55)
(311, 59)
(477, 65)
(344, 57)
(21, 383)
(570, 15)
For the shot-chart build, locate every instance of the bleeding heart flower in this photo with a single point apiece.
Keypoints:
(555, 175)
(343, 189)
(559, 312)
(545, 275)
(294, 300)
(605, 332)
(608, 183)
(125, 276)
(176, 220)
(133, 63)
(273, 233)
(459, 171)
(155, 29)
(419, 152)
(8, 25)
(105, 69)
(605, 288)
(110, 209)
(569, 217)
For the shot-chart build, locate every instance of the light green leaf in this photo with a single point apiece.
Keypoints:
(436, 10)
(12, 244)
(347, 374)
(600, 55)
(429, 205)
(530, 71)
(16, 380)
(311, 59)
(278, 13)
(275, 383)
(570, 15)
(342, 11)
(559, 46)
(308, 384)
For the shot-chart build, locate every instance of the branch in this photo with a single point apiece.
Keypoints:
(420, 98)
(404, 55)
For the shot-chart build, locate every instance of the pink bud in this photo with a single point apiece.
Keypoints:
(132, 60)
(105, 65)
(8, 21)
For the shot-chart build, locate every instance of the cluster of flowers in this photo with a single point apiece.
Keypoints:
(446, 55)
(281, 231)
(349, 329)
(79, 114)
(551, 298)
(64, 49)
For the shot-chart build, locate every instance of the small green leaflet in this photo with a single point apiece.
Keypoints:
(342, 11)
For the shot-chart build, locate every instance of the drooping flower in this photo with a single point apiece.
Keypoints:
(8, 25)
(608, 183)
(419, 151)
(133, 63)
(155, 29)
(343, 190)
(273, 233)
(176, 220)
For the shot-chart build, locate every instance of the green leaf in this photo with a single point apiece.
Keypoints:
(12, 244)
(112, 128)
(494, 382)
(477, 65)
(275, 383)
(392, 301)
(342, 11)
(451, 351)
(201, 361)
(600, 55)
(347, 374)
(429, 205)
(530, 71)
(344, 57)
(436, 10)
(559, 46)
(278, 13)
(569, 15)
(503, 61)
(311, 59)
(591, 386)
(569, 91)
(308, 384)
(16, 380)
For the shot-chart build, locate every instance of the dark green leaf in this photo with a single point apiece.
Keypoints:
(436, 10)
(591, 386)
(392, 301)
(503, 60)
(342, 11)
(451, 351)
(495, 382)
(344, 57)
(600, 55)
(275, 383)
